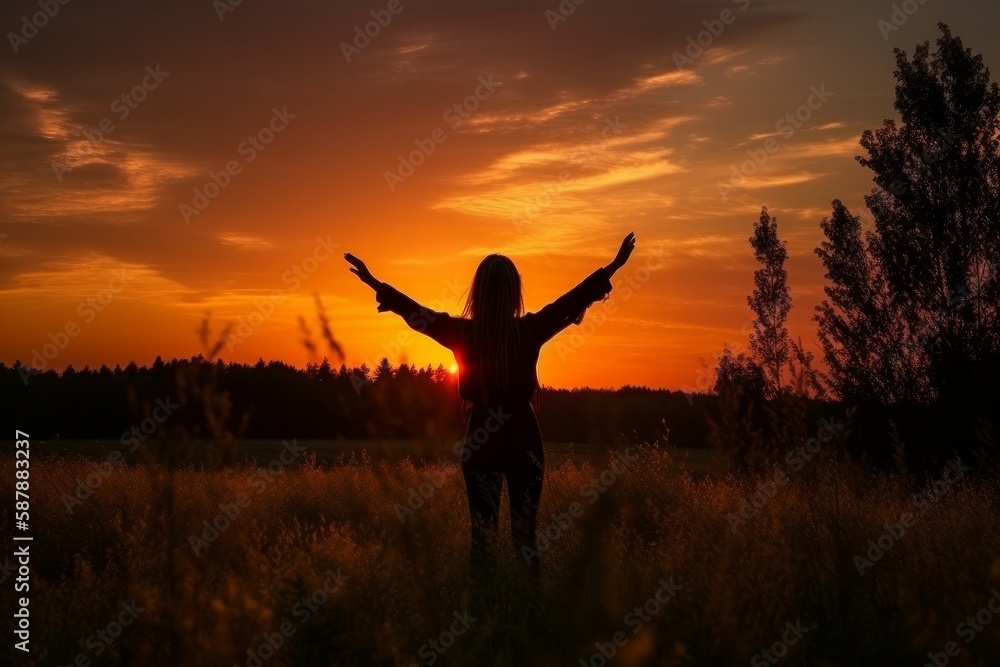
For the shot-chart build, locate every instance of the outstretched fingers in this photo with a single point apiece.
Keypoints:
(628, 245)
(359, 268)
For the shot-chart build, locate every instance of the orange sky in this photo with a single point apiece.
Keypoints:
(596, 122)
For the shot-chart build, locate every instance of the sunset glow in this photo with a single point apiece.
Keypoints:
(234, 190)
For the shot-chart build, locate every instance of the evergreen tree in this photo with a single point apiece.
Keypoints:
(771, 300)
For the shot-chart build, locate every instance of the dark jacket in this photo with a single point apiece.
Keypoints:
(533, 330)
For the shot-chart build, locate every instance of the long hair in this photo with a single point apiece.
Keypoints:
(494, 305)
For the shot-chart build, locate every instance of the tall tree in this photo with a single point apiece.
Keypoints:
(858, 330)
(771, 300)
(912, 315)
(384, 370)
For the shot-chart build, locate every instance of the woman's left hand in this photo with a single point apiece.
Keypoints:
(359, 269)
(628, 245)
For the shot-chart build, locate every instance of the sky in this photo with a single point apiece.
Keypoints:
(164, 163)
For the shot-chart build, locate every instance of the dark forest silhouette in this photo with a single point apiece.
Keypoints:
(320, 401)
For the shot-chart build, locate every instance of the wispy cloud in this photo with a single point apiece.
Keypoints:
(70, 172)
(244, 241)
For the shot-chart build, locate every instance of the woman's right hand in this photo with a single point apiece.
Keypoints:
(359, 269)
(628, 245)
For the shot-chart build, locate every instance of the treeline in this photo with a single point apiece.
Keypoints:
(198, 398)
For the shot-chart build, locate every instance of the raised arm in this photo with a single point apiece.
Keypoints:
(571, 307)
(441, 327)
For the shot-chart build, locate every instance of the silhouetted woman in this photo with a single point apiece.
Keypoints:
(496, 347)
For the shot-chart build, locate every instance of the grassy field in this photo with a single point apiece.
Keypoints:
(307, 564)
(329, 452)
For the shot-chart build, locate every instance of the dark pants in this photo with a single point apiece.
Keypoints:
(503, 444)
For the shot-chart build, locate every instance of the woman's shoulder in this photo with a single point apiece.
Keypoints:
(528, 325)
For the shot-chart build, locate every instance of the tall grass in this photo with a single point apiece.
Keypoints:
(792, 561)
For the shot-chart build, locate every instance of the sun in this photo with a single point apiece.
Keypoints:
(453, 369)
